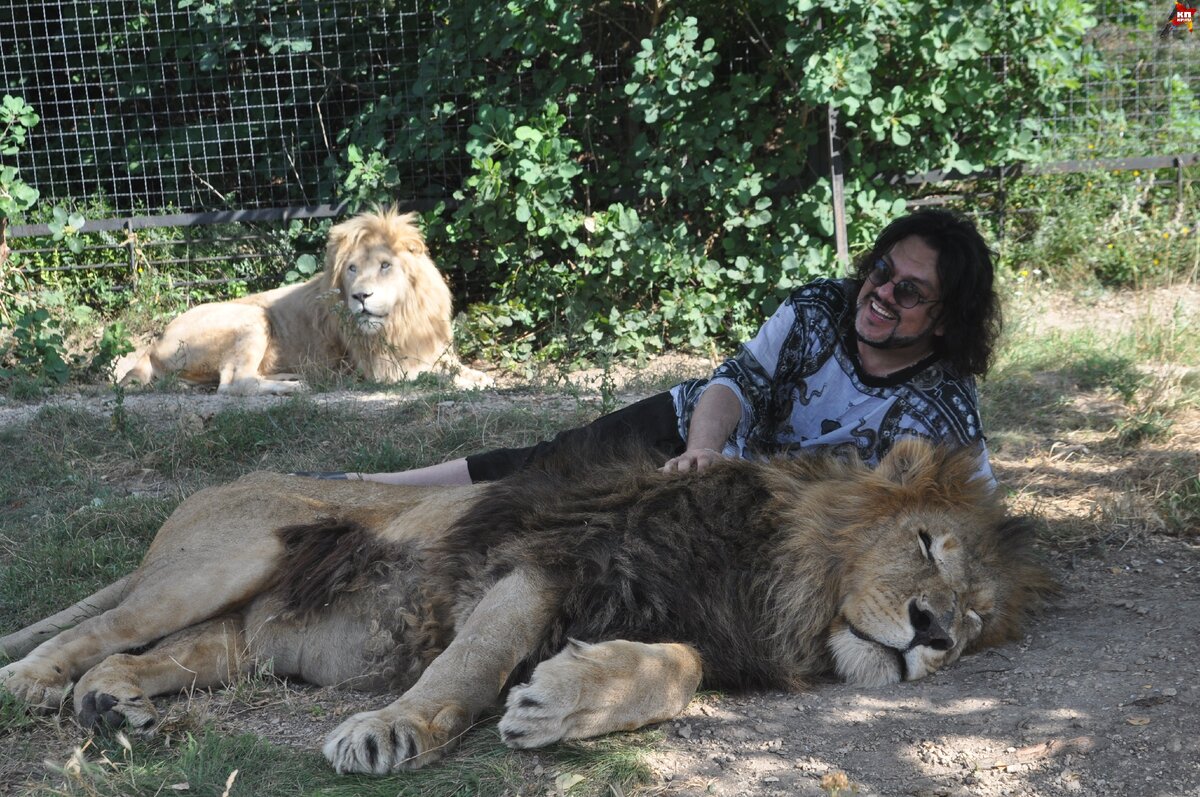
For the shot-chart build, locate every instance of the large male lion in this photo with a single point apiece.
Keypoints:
(380, 306)
(608, 596)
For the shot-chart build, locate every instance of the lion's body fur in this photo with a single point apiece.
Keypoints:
(388, 324)
(747, 573)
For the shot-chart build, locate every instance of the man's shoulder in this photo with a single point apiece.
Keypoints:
(947, 401)
(827, 296)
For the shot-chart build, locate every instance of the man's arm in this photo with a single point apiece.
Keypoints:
(716, 415)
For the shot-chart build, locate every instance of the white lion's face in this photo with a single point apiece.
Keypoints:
(912, 607)
(374, 280)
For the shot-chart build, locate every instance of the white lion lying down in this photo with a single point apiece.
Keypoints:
(379, 307)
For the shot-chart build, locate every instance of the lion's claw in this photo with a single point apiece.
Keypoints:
(398, 737)
(368, 744)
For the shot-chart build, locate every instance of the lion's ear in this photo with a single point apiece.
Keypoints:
(909, 458)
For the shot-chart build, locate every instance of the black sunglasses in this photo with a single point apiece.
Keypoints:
(906, 294)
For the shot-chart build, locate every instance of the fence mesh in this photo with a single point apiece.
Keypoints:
(1140, 97)
(150, 107)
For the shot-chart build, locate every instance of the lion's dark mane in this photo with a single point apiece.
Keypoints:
(631, 553)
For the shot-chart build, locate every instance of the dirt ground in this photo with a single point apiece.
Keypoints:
(1101, 698)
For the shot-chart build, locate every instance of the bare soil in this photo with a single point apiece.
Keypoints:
(1101, 698)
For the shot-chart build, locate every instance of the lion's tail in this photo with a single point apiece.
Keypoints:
(18, 644)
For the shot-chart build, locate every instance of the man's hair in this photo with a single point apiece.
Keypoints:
(970, 309)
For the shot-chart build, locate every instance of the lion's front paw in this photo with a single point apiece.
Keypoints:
(395, 738)
(588, 690)
(111, 694)
(38, 683)
(470, 379)
(547, 709)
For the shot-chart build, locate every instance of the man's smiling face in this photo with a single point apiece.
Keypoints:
(882, 323)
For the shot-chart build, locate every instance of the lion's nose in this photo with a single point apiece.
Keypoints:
(362, 297)
(927, 629)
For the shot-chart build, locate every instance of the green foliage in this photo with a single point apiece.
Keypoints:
(1118, 229)
(65, 227)
(37, 350)
(16, 119)
(625, 177)
(36, 354)
(644, 176)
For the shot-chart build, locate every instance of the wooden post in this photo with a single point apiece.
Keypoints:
(130, 243)
(837, 184)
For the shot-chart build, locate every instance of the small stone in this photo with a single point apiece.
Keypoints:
(685, 731)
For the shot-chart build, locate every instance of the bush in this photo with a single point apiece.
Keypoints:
(646, 176)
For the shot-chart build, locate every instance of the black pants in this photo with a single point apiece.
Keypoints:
(650, 422)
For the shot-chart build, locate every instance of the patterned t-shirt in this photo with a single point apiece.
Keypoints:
(801, 386)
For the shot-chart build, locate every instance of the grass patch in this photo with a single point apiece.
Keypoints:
(1040, 377)
(211, 762)
(63, 557)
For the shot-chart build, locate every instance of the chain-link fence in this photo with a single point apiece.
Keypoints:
(201, 110)
(151, 108)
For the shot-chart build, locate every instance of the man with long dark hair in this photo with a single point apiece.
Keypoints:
(853, 364)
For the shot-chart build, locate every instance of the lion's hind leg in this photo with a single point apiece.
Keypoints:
(117, 691)
(589, 690)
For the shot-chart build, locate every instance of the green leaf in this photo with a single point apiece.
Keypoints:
(527, 133)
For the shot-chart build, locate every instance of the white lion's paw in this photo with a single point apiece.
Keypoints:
(39, 684)
(394, 738)
(548, 708)
(470, 379)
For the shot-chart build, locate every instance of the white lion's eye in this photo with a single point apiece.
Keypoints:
(384, 266)
(352, 268)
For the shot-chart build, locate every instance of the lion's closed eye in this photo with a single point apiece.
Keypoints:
(926, 543)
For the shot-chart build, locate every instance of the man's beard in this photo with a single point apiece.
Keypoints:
(892, 341)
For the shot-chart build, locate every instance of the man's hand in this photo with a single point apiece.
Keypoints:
(697, 459)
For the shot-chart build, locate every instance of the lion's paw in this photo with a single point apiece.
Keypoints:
(129, 708)
(37, 683)
(111, 694)
(548, 708)
(469, 379)
(394, 738)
